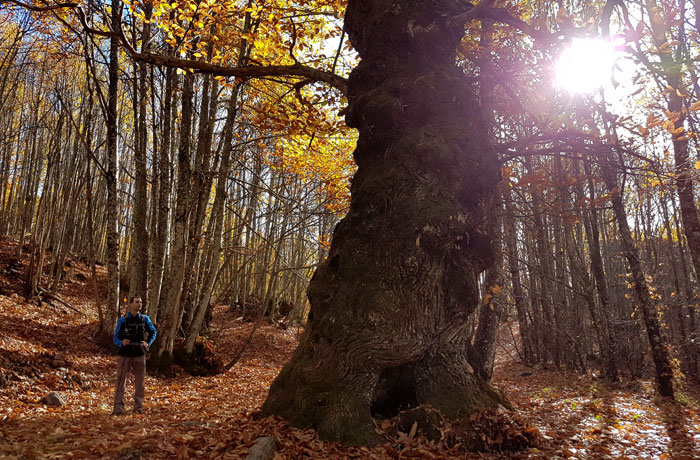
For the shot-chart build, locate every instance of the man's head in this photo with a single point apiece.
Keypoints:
(135, 305)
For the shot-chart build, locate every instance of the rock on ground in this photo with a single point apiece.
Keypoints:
(54, 399)
(264, 449)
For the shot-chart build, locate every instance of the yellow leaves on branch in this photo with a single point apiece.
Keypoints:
(274, 26)
(312, 141)
(670, 122)
(324, 157)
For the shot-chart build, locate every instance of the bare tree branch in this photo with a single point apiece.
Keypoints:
(484, 10)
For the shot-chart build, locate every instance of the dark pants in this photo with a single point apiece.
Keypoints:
(124, 364)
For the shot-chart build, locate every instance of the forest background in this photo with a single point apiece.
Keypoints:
(130, 142)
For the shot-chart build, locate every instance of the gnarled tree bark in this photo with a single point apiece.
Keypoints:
(389, 306)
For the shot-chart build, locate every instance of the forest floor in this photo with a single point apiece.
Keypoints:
(579, 416)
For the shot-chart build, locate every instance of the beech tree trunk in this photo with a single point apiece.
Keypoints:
(171, 293)
(482, 352)
(601, 284)
(389, 307)
(159, 243)
(140, 249)
(544, 271)
(659, 350)
(112, 309)
(214, 246)
(684, 174)
(510, 237)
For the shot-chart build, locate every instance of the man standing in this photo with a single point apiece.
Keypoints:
(130, 337)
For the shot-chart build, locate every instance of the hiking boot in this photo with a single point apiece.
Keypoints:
(138, 411)
(118, 412)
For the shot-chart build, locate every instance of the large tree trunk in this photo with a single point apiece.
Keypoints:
(389, 307)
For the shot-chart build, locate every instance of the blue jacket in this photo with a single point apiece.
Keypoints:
(121, 329)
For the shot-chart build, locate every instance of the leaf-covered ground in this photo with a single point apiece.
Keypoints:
(216, 417)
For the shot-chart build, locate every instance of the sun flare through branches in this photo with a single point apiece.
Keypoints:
(586, 65)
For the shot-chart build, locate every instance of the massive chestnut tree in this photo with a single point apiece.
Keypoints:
(389, 306)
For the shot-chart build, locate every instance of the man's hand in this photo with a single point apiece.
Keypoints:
(144, 345)
(126, 342)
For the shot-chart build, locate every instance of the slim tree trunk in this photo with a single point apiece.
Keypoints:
(171, 295)
(590, 222)
(112, 309)
(659, 351)
(552, 341)
(684, 182)
(200, 192)
(160, 242)
(515, 280)
(217, 216)
(140, 249)
(482, 352)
